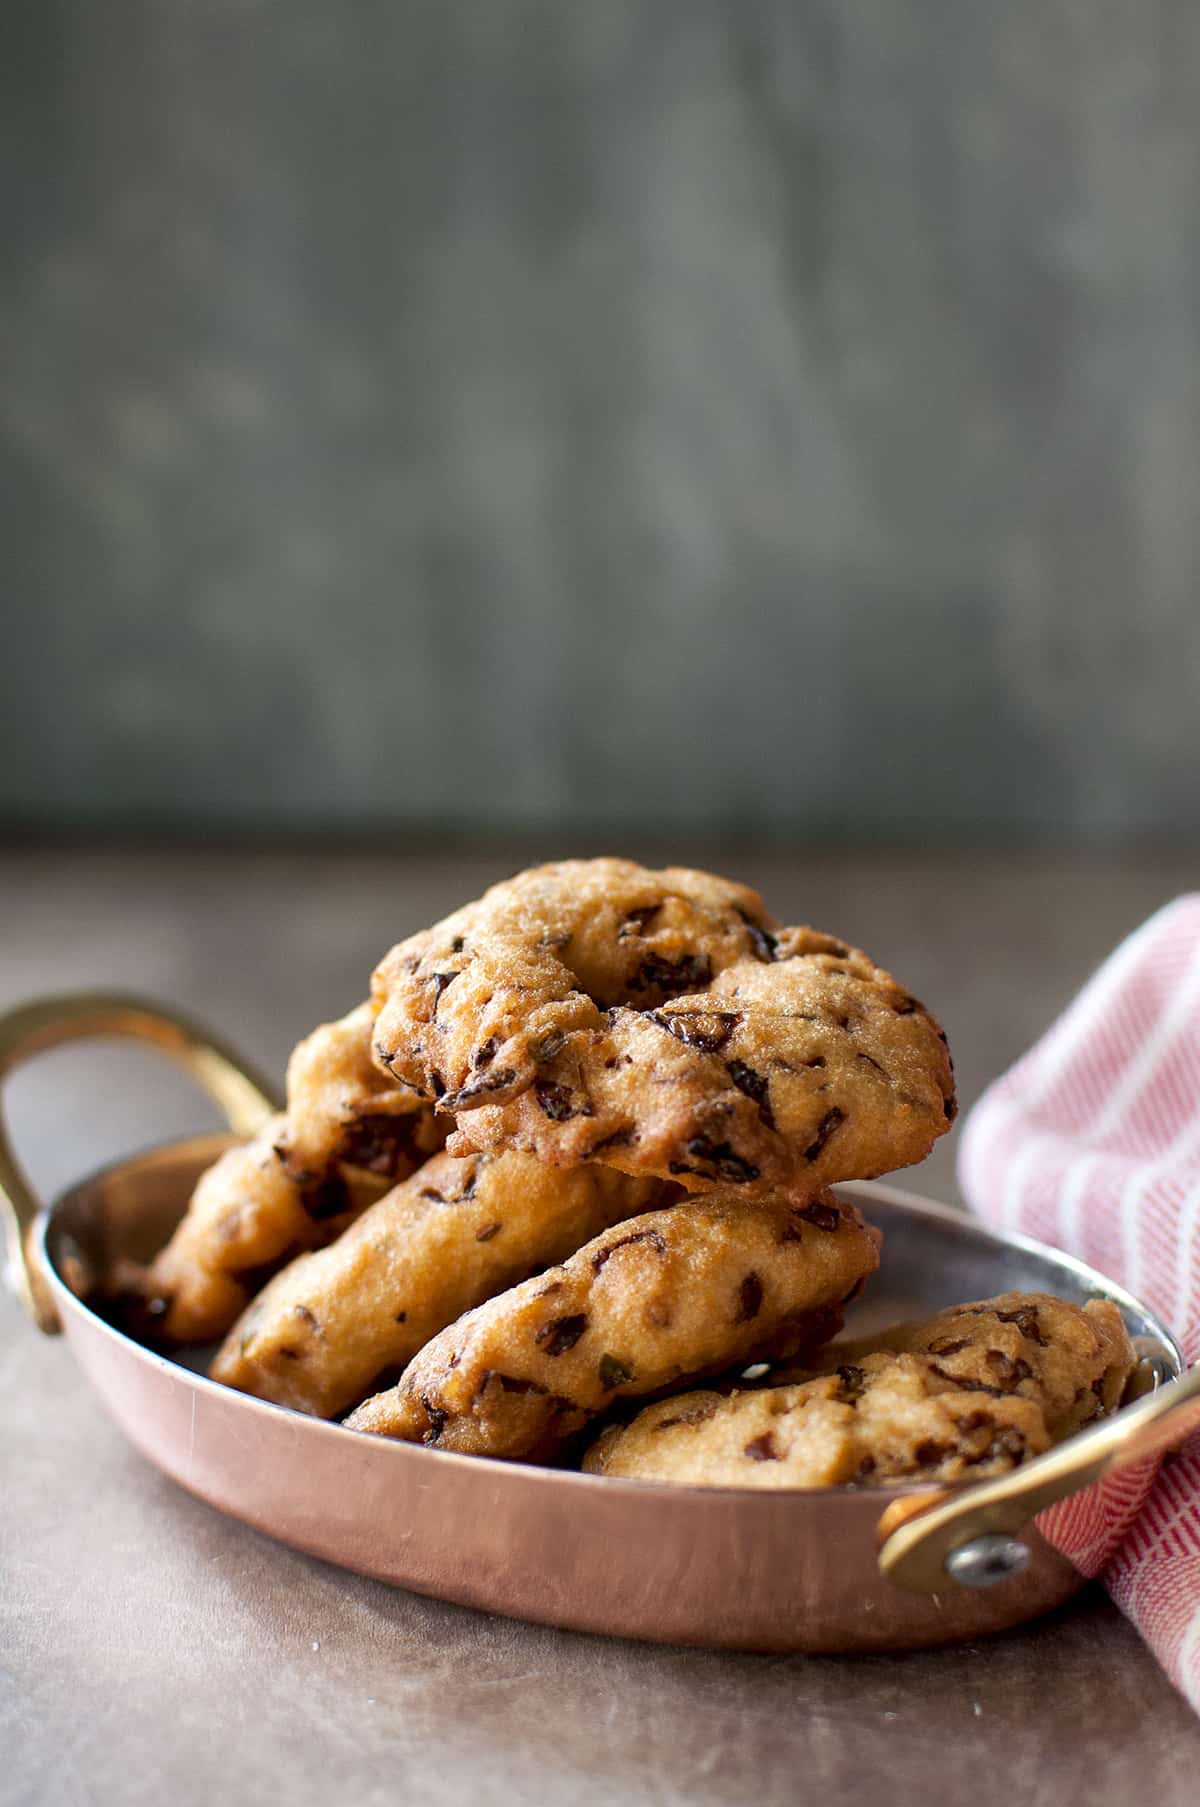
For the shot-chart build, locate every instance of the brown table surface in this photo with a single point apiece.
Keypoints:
(152, 1651)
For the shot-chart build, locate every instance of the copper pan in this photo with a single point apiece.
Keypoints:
(843, 1569)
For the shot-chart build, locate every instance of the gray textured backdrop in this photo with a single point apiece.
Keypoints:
(559, 415)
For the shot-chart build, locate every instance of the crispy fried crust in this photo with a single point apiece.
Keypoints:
(468, 1008)
(1072, 1361)
(891, 1421)
(345, 1321)
(298, 1183)
(246, 1215)
(677, 1292)
(787, 1077)
(969, 1394)
(343, 1108)
(662, 1023)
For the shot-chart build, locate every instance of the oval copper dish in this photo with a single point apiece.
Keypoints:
(832, 1570)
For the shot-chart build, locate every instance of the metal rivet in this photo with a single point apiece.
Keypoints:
(986, 1560)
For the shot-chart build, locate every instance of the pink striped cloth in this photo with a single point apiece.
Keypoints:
(1092, 1142)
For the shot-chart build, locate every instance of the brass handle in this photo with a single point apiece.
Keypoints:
(245, 1100)
(922, 1539)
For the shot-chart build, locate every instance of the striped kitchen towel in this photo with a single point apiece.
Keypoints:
(1092, 1142)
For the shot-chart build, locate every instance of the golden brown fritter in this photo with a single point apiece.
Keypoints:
(662, 1023)
(469, 1008)
(787, 1077)
(345, 1321)
(965, 1395)
(1072, 1360)
(886, 1420)
(682, 1291)
(342, 1107)
(246, 1215)
(347, 1135)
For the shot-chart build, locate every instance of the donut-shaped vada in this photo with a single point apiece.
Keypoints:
(662, 1023)
(345, 1321)
(687, 1290)
(348, 1133)
(470, 1010)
